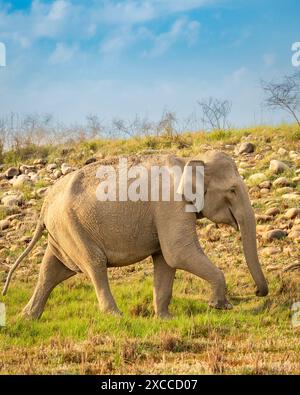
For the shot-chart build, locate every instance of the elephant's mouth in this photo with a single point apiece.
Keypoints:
(234, 221)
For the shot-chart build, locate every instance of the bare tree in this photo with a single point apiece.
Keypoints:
(94, 125)
(284, 95)
(215, 113)
(167, 124)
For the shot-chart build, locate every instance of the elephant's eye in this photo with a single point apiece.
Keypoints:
(232, 190)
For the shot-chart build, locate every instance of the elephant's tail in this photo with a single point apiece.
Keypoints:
(37, 235)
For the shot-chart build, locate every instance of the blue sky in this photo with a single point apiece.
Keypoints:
(120, 58)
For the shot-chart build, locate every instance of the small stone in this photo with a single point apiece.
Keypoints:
(263, 217)
(294, 235)
(264, 191)
(4, 224)
(273, 211)
(275, 234)
(293, 155)
(56, 174)
(10, 200)
(26, 168)
(51, 167)
(292, 213)
(34, 177)
(265, 184)
(90, 160)
(66, 169)
(281, 182)
(245, 148)
(268, 251)
(276, 166)
(282, 151)
(296, 180)
(12, 172)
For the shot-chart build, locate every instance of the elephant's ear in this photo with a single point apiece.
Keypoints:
(191, 183)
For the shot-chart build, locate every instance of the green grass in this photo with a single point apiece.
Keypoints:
(72, 319)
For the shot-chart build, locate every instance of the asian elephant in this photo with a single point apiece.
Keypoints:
(88, 235)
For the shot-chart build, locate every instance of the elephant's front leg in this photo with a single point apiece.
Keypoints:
(192, 259)
(163, 286)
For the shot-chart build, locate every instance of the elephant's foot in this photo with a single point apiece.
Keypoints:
(221, 305)
(30, 313)
(164, 315)
(113, 310)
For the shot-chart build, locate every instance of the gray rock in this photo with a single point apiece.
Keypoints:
(10, 200)
(4, 224)
(34, 177)
(273, 211)
(265, 184)
(56, 174)
(264, 191)
(294, 235)
(51, 167)
(281, 182)
(275, 234)
(292, 213)
(245, 148)
(26, 169)
(90, 160)
(276, 166)
(66, 169)
(296, 180)
(12, 172)
(282, 151)
(268, 251)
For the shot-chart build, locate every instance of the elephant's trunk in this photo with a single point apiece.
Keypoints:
(247, 226)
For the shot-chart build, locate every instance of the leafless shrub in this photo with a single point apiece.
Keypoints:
(284, 95)
(215, 113)
(167, 124)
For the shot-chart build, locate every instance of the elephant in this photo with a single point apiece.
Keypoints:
(86, 235)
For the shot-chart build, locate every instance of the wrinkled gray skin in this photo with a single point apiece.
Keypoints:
(89, 236)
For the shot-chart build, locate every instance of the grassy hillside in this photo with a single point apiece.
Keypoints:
(256, 337)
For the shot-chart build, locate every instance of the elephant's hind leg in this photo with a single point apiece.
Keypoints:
(52, 272)
(99, 277)
(163, 285)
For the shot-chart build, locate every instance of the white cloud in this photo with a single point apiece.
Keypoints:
(62, 53)
(182, 29)
(138, 11)
(58, 10)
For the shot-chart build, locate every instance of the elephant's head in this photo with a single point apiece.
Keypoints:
(226, 201)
